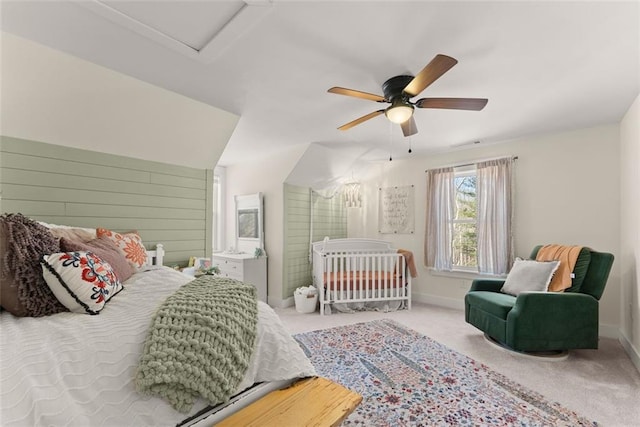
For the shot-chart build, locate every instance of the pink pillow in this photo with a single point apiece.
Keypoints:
(106, 250)
(129, 244)
(78, 234)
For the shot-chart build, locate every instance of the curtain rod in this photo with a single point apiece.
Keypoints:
(474, 163)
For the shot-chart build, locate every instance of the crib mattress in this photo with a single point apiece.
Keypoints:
(365, 280)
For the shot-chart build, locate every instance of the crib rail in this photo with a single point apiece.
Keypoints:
(361, 276)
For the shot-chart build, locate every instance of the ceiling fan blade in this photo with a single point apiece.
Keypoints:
(429, 74)
(356, 93)
(409, 127)
(475, 104)
(360, 120)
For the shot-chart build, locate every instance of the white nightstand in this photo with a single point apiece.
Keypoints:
(244, 267)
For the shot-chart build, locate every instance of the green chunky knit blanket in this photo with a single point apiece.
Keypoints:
(199, 343)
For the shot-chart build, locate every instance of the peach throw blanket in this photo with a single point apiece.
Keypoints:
(567, 255)
(408, 257)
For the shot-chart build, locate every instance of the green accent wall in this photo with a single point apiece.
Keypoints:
(329, 219)
(165, 203)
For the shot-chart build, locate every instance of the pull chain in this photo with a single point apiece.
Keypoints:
(390, 141)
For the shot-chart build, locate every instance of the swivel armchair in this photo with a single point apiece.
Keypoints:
(543, 321)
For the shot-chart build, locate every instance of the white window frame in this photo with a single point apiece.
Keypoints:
(219, 209)
(459, 172)
(461, 272)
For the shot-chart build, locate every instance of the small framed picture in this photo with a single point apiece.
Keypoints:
(202, 263)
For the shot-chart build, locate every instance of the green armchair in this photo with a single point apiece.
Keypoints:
(542, 321)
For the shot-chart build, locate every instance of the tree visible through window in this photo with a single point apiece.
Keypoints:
(463, 226)
(468, 217)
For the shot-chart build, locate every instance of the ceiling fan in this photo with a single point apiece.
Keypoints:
(399, 90)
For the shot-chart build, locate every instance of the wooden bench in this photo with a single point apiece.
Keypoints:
(309, 402)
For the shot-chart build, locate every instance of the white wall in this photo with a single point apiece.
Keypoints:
(266, 176)
(629, 259)
(567, 191)
(54, 97)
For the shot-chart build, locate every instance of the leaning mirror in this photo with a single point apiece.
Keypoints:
(248, 225)
(249, 222)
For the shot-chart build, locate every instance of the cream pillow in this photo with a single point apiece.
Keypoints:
(529, 276)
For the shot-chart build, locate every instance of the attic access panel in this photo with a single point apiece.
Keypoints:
(200, 30)
(193, 23)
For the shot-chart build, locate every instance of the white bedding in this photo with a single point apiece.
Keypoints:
(76, 369)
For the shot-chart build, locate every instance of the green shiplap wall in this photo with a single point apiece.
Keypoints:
(165, 203)
(329, 219)
(297, 269)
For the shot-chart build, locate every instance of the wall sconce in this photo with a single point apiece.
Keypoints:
(352, 196)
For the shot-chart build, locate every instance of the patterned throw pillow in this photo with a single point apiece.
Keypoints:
(129, 244)
(81, 281)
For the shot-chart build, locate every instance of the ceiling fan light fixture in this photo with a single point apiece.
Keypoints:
(399, 90)
(399, 112)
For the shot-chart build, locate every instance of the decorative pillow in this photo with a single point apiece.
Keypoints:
(106, 250)
(529, 276)
(8, 287)
(129, 244)
(70, 231)
(77, 234)
(81, 281)
(23, 289)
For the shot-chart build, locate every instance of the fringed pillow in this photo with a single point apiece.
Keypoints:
(23, 290)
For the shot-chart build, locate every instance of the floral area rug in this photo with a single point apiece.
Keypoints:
(408, 379)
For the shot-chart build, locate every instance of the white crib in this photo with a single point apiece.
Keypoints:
(360, 271)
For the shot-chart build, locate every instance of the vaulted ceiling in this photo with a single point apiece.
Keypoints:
(544, 66)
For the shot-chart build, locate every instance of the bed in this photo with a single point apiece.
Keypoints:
(77, 369)
(359, 274)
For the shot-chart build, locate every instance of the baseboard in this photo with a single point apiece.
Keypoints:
(607, 331)
(633, 352)
(439, 301)
(281, 303)
(288, 302)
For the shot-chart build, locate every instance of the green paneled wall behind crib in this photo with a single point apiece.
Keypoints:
(329, 219)
(165, 203)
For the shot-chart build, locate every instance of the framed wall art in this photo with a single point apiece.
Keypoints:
(396, 210)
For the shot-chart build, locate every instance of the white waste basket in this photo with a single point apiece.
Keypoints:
(306, 303)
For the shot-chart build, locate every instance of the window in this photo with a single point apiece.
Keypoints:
(464, 234)
(468, 217)
(218, 209)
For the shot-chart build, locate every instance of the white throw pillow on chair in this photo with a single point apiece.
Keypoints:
(529, 276)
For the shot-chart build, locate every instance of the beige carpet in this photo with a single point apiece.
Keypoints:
(602, 385)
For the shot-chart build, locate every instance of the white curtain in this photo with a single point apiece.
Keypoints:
(440, 211)
(494, 214)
